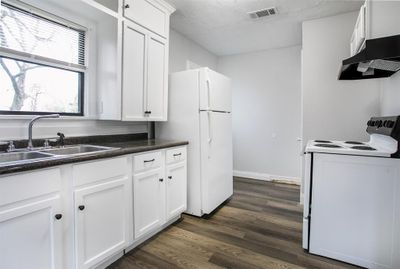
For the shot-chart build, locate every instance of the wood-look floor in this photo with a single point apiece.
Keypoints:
(259, 227)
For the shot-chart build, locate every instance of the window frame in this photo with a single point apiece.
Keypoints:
(82, 70)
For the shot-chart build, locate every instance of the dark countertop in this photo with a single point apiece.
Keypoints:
(124, 148)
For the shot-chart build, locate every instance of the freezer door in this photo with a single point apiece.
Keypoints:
(216, 159)
(215, 91)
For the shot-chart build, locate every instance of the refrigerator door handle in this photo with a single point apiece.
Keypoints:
(208, 82)
(210, 133)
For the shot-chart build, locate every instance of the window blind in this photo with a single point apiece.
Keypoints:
(35, 36)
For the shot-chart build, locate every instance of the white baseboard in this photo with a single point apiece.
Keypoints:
(267, 177)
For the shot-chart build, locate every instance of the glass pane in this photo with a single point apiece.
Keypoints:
(25, 32)
(35, 88)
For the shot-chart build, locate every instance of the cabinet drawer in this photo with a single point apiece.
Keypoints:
(27, 185)
(176, 155)
(147, 161)
(99, 170)
(148, 14)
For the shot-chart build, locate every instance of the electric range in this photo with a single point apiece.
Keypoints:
(352, 197)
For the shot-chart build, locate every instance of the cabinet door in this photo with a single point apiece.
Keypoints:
(148, 14)
(101, 221)
(176, 189)
(31, 235)
(359, 30)
(134, 66)
(157, 79)
(148, 201)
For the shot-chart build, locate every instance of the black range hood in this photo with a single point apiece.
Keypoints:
(380, 58)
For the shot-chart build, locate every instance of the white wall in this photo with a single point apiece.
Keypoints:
(184, 53)
(333, 109)
(266, 112)
(390, 99)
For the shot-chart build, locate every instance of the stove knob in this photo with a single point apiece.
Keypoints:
(378, 124)
(369, 123)
(390, 124)
(385, 123)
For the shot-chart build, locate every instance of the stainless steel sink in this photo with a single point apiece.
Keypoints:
(22, 157)
(77, 150)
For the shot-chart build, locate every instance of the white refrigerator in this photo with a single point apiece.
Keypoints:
(199, 111)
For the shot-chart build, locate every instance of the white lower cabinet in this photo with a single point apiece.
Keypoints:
(101, 221)
(148, 201)
(31, 235)
(84, 215)
(159, 189)
(176, 189)
(31, 220)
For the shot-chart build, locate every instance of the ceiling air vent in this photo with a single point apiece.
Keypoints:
(263, 13)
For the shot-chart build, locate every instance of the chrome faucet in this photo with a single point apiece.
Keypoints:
(30, 143)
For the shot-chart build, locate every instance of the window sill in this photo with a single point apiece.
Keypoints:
(62, 118)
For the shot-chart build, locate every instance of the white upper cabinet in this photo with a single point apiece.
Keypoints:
(134, 73)
(376, 19)
(145, 75)
(151, 14)
(157, 79)
(130, 68)
(359, 33)
(144, 39)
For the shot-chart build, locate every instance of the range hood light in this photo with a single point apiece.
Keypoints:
(369, 72)
(363, 67)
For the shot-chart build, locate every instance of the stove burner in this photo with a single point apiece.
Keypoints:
(363, 148)
(327, 145)
(322, 141)
(354, 142)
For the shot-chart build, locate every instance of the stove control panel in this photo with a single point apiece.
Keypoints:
(389, 126)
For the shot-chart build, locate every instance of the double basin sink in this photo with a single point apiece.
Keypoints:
(22, 157)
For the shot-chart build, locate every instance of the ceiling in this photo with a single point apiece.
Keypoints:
(223, 26)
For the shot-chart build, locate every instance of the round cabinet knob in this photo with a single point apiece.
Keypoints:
(126, 6)
(161, 180)
(58, 216)
(170, 177)
(81, 207)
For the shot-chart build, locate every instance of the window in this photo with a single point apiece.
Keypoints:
(42, 63)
